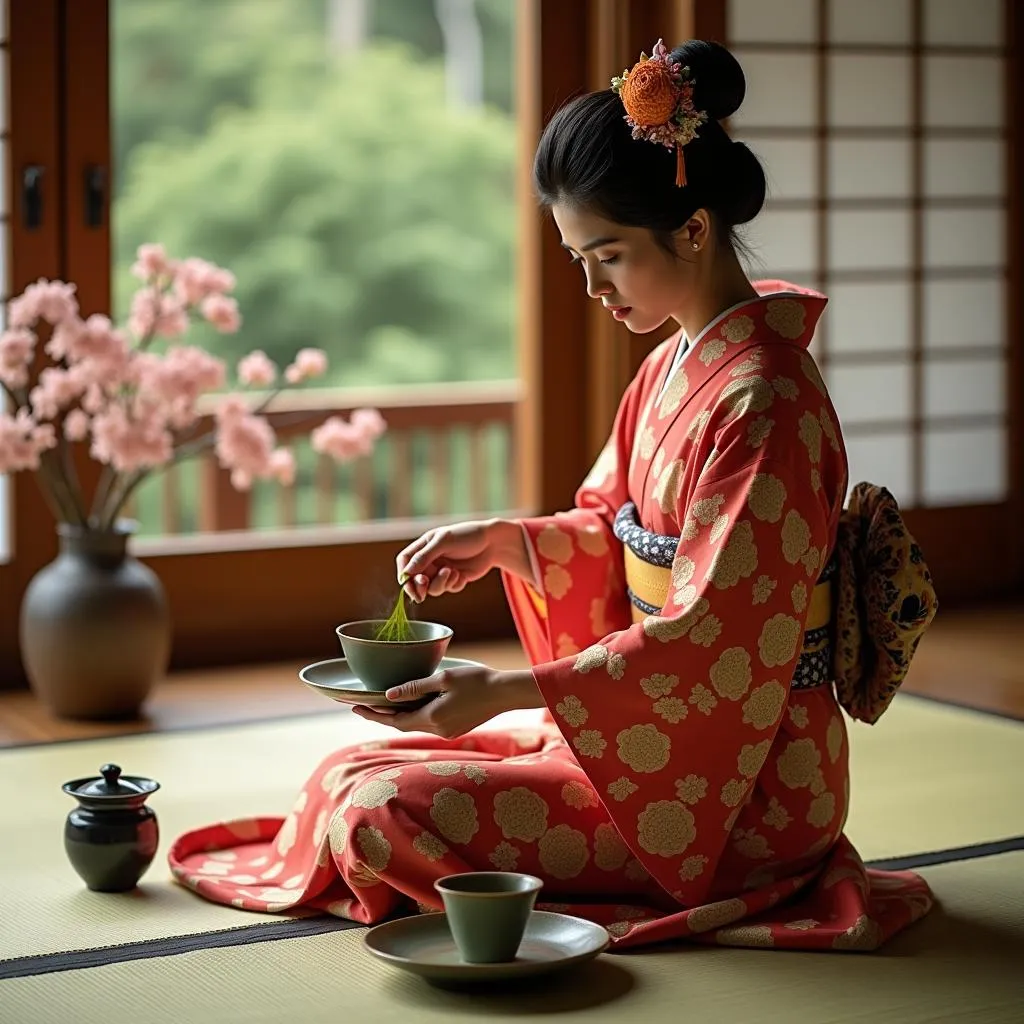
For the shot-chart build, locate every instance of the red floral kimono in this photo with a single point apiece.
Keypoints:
(694, 783)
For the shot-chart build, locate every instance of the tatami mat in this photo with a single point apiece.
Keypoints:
(927, 777)
(960, 964)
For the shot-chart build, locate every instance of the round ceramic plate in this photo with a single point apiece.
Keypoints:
(424, 946)
(334, 679)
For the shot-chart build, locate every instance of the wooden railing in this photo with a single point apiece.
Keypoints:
(448, 449)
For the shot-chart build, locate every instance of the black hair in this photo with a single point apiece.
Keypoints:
(587, 157)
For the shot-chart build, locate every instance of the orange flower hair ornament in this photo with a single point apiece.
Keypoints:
(658, 97)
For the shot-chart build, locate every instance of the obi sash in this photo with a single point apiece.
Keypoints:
(648, 561)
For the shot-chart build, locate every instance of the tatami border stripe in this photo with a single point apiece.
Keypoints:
(49, 963)
(927, 860)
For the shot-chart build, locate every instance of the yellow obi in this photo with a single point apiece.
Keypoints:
(649, 585)
(648, 559)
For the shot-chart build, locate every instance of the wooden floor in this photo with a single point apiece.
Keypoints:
(973, 658)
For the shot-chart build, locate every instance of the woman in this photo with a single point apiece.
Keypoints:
(694, 782)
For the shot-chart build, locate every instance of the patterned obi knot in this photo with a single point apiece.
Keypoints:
(648, 560)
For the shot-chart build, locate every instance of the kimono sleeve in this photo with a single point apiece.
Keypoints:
(579, 593)
(673, 717)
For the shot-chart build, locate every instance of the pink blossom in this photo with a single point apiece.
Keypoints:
(245, 444)
(220, 280)
(64, 338)
(282, 466)
(338, 439)
(22, 441)
(105, 376)
(103, 351)
(129, 443)
(153, 312)
(309, 362)
(222, 312)
(56, 390)
(189, 281)
(76, 425)
(151, 262)
(195, 279)
(343, 441)
(231, 407)
(173, 382)
(16, 350)
(369, 423)
(93, 400)
(99, 340)
(257, 370)
(52, 301)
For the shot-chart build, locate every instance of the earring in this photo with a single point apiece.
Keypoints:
(695, 245)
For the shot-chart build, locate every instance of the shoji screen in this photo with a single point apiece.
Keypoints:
(882, 125)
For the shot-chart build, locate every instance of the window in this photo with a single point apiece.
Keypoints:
(884, 125)
(277, 591)
(353, 163)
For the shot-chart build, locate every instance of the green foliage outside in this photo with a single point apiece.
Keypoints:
(361, 211)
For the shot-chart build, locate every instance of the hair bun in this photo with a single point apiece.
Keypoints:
(719, 83)
(742, 186)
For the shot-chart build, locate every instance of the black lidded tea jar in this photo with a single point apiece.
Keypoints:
(111, 837)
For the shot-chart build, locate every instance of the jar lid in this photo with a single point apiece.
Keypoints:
(111, 785)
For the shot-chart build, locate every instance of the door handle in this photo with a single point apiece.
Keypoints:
(32, 196)
(95, 182)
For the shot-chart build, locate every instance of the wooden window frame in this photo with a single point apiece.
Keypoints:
(33, 118)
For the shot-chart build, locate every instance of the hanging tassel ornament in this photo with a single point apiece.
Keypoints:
(680, 166)
(658, 97)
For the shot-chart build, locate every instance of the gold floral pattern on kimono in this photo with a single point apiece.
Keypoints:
(678, 790)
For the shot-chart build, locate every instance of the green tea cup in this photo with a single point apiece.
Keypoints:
(380, 664)
(487, 912)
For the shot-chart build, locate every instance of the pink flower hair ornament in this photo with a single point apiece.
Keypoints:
(658, 97)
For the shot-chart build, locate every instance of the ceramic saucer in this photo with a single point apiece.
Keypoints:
(424, 946)
(334, 679)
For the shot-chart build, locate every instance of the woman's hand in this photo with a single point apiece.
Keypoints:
(466, 697)
(444, 560)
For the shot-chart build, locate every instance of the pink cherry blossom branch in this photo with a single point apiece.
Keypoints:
(182, 452)
(50, 462)
(143, 415)
(71, 481)
(134, 480)
(50, 492)
(117, 501)
(110, 477)
(48, 479)
(103, 489)
(13, 396)
(58, 470)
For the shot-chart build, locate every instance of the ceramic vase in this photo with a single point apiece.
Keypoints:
(95, 627)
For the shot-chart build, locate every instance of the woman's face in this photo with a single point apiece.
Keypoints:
(637, 281)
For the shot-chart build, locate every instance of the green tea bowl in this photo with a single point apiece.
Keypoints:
(384, 663)
(487, 912)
